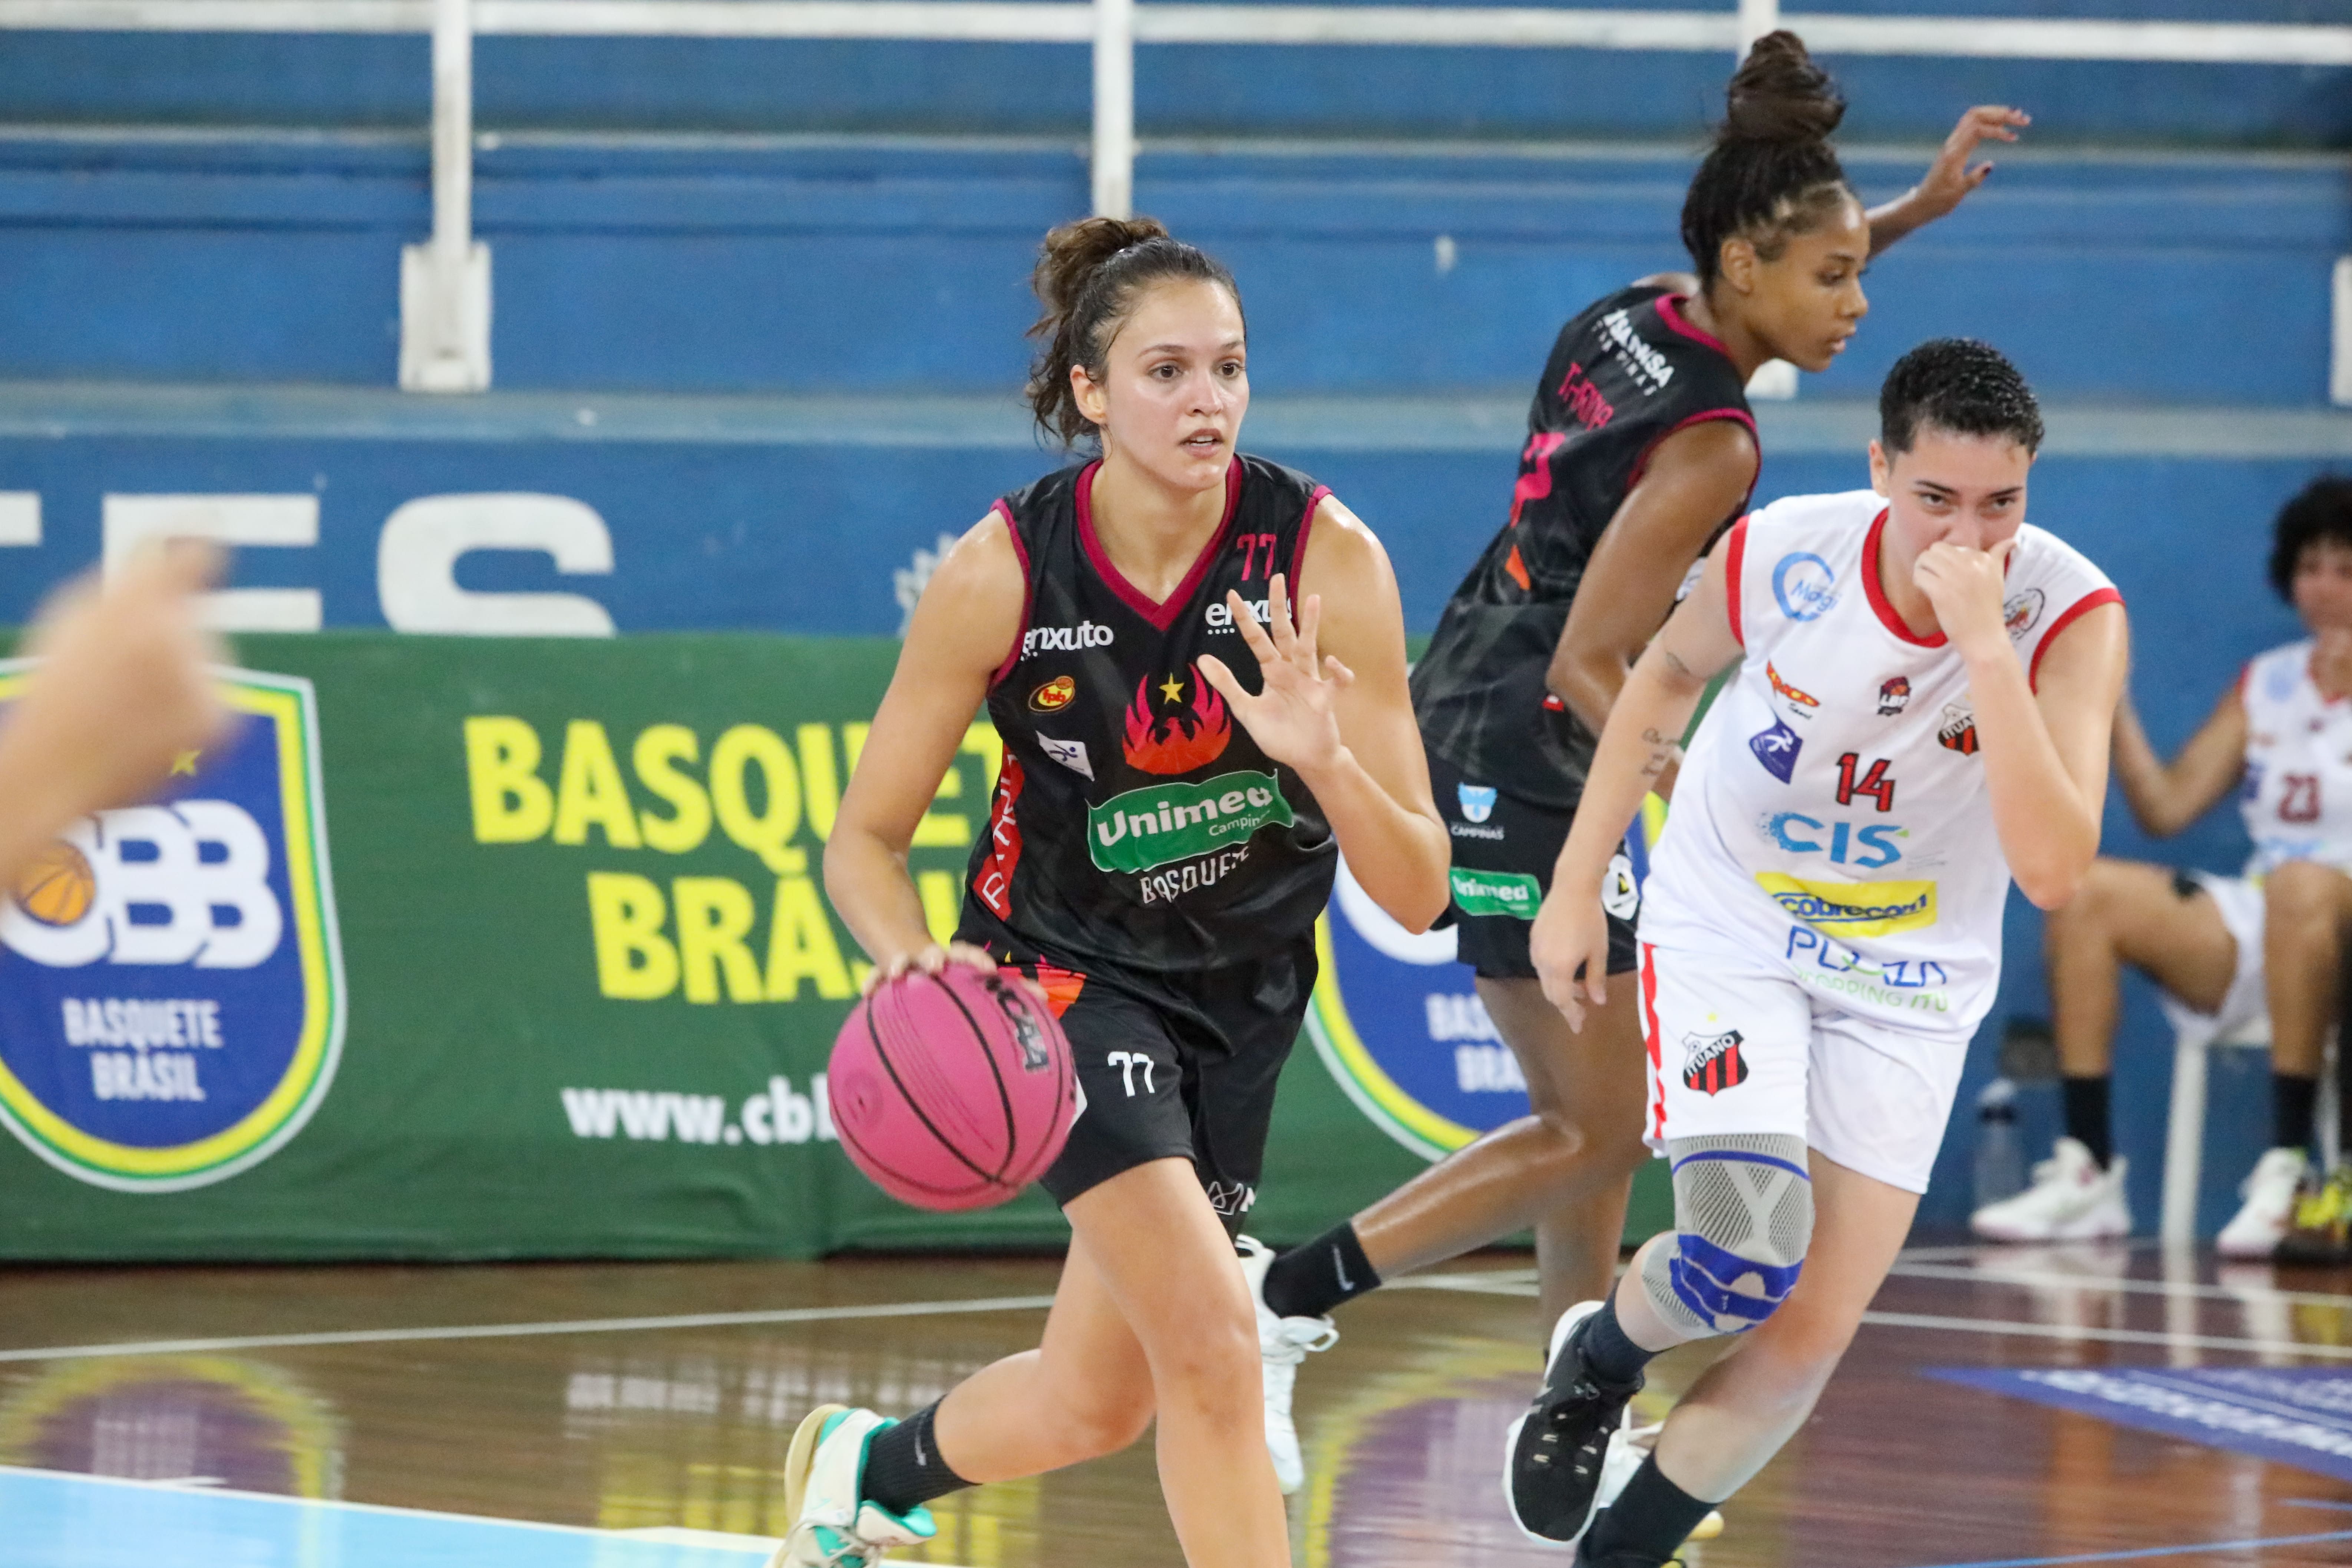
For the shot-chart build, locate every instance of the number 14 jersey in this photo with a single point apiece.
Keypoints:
(1831, 818)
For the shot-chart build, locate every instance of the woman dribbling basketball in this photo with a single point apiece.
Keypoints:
(1184, 753)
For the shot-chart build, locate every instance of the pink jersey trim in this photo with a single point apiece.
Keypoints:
(1028, 596)
(1670, 312)
(1649, 1002)
(2080, 607)
(1161, 613)
(1298, 550)
(1642, 463)
(1735, 558)
(1877, 594)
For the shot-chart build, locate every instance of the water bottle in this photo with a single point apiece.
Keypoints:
(2000, 1159)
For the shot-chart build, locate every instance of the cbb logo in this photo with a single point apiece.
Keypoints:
(171, 980)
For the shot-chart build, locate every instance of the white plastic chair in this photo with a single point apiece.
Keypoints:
(2184, 1134)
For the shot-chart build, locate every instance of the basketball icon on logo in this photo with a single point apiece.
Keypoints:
(58, 886)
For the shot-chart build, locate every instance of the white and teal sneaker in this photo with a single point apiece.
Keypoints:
(1282, 1344)
(832, 1526)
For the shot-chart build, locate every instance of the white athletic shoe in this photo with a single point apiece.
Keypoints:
(2070, 1200)
(1629, 1446)
(2264, 1218)
(1282, 1344)
(832, 1526)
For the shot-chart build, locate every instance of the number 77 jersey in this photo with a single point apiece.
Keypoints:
(1831, 818)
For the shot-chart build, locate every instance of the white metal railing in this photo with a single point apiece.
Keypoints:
(446, 283)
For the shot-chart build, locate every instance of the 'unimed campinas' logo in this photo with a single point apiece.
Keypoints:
(1161, 823)
(171, 982)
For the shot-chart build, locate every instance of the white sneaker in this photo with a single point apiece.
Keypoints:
(2262, 1219)
(1629, 1446)
(1282, 1344)
(2070, 1200)
(832, 1526)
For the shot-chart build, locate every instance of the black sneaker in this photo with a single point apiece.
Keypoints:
(1624, 1560)
(1554, 1455)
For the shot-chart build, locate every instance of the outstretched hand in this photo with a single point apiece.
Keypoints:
(1293, 717)
(1949, 180)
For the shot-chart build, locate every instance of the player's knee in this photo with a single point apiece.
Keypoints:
(1744, 1217)
(1102, 1425)
(1211, 1368)
(2303, 898)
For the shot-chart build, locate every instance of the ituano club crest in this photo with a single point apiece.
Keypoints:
(172, 999)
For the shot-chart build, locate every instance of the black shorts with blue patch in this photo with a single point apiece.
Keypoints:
(1503, 853)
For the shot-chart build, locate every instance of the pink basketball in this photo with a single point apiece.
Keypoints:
(952, 1090)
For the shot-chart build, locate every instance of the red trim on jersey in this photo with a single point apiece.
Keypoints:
(1670, 311)
(993, 882)
(2087, 603)
(1642, 463)
(1028, 596)
(1877, 594)
(1735, 558)
(1649, 1000)
(1161, 613)
(1299, 552)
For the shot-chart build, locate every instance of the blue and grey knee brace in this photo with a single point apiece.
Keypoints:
(1743, 1217)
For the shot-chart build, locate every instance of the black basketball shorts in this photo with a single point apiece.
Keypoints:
(1503, 853)
(1176, 1066)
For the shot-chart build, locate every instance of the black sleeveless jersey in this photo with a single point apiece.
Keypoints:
(1135, 823)
(1624, 375)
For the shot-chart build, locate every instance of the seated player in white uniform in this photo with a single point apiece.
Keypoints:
(1920, 713)
(2282, 737)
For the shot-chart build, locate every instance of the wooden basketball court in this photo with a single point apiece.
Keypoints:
(2119, 1412)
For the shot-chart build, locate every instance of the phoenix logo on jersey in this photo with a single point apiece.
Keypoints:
(171, 982)
(1167, 733)
(1711, 1063)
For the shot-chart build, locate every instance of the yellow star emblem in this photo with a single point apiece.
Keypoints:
(1172, 689)
(185, 763)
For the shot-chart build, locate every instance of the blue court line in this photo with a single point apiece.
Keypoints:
(62, 1520)
(2145, 1552)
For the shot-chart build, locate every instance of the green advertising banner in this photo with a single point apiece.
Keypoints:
(472, 948)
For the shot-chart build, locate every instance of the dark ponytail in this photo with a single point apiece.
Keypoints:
(1771, 172)
(1089, 276)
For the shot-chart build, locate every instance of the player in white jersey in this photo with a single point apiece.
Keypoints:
(1920, 714)
(2223, 948)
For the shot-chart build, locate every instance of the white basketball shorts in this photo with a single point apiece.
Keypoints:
(2240, 901)
(1744, 1050)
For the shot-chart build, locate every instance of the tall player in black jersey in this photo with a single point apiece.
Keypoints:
(1182, 762)
(1641, 451)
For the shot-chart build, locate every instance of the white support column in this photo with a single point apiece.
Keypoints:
(445, 284)
(2339, 365)
(1757, 17)
(1114, 145)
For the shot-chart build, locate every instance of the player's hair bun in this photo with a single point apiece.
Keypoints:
(1780, 95)
(1075, 251)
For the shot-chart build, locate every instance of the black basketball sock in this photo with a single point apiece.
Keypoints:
(903, 1467)
(1609, 1350)
(2086, 1116)
(1648, 1522)
(1309, 1282)
(2292, 1100)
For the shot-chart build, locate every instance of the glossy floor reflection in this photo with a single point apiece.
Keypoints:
(633, 1405)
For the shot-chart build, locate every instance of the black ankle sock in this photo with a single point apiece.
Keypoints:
(2292, 1100)
(1648, 1522)
(903, 1467)
(2086, 1116)
(1309, 1282)
(1608, 1350)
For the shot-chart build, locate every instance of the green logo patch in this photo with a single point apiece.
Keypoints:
(1161, 823)
(1513, 893)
